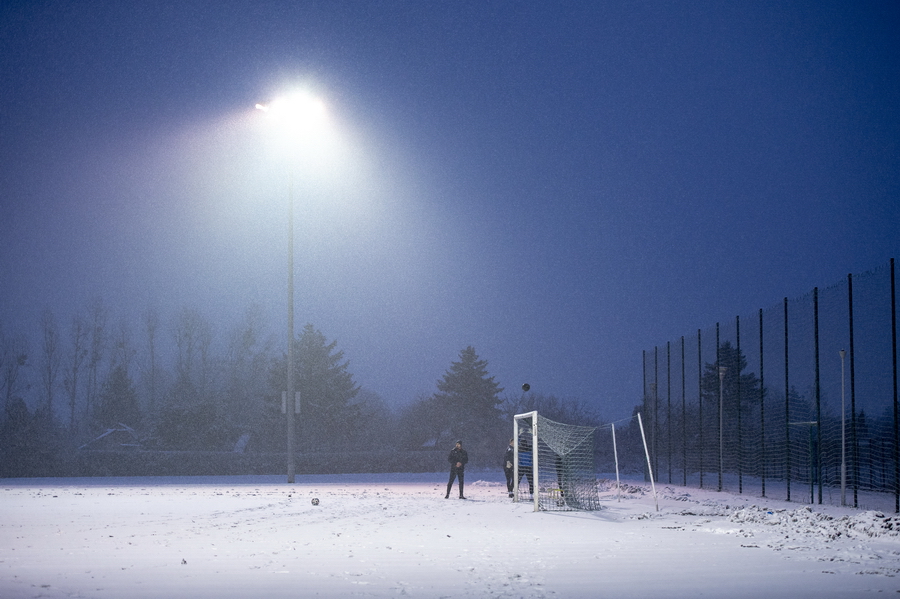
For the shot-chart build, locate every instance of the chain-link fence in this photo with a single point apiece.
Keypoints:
(797, 402)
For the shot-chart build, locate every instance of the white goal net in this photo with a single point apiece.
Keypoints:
(559, 476)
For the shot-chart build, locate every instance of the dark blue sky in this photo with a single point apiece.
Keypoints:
(560, 185)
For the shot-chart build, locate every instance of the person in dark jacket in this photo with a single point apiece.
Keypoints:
(508, 469)
(458, 459)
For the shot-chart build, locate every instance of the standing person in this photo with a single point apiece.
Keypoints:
(508, 469)
(458, 459)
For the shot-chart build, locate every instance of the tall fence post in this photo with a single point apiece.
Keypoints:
(896, 414)
(684, 420)
(740, 408)
(669, 408)
(700, 400)
(762, 408)
(854, 448)
(644, 368)
(818, 456)
(655, 410)
(787, 406)
(843, 355)
(721, 375)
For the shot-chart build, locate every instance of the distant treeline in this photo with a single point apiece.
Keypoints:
(92, 397)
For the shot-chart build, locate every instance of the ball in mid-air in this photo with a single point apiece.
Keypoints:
(315, 501)
(526, 387)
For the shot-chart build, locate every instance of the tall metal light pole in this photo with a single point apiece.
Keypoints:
(843, 438)
(290, 400)
(299, 114)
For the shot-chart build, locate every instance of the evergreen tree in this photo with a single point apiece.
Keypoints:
(118, 401)
(469, 400)
(740, 405)
(193, 414)
(29, 443)
(379, 421)
(328, 416)
(420, 423)
(734, 383)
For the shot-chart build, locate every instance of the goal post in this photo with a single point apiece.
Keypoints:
(558, 462)
(525, 463)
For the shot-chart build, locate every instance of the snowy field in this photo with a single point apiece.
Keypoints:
(393, 535)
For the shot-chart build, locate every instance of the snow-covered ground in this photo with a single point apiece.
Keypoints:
(395, 535)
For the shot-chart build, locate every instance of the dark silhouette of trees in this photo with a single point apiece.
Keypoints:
(468, 401)
(97, 346)
(74, 366)
(193, 338)
(328, 416)
(150, 367)
(13, 359)
(376, 427)
(182, 392)
(739, 389)
(422, 424)
(245, 375)
(51, 356)
(29, 442)
(118, 401)
(192, 417)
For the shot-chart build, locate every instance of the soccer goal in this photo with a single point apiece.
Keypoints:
(559, 475)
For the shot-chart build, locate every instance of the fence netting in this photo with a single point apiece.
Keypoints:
(797, 401)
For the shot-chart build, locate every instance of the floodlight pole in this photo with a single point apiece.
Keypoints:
(290, 402)
(302, 108)
(843, 438)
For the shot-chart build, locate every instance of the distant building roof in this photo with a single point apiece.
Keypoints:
(119, 437)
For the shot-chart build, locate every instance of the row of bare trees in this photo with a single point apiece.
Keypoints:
(62, 375)
(179, 383)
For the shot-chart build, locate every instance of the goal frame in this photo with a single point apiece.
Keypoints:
(562, 463)
(534, 418)
(534, 456)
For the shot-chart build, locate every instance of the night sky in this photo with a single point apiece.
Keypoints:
(558, 184)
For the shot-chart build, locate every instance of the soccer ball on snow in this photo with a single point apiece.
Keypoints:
(315, 501)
